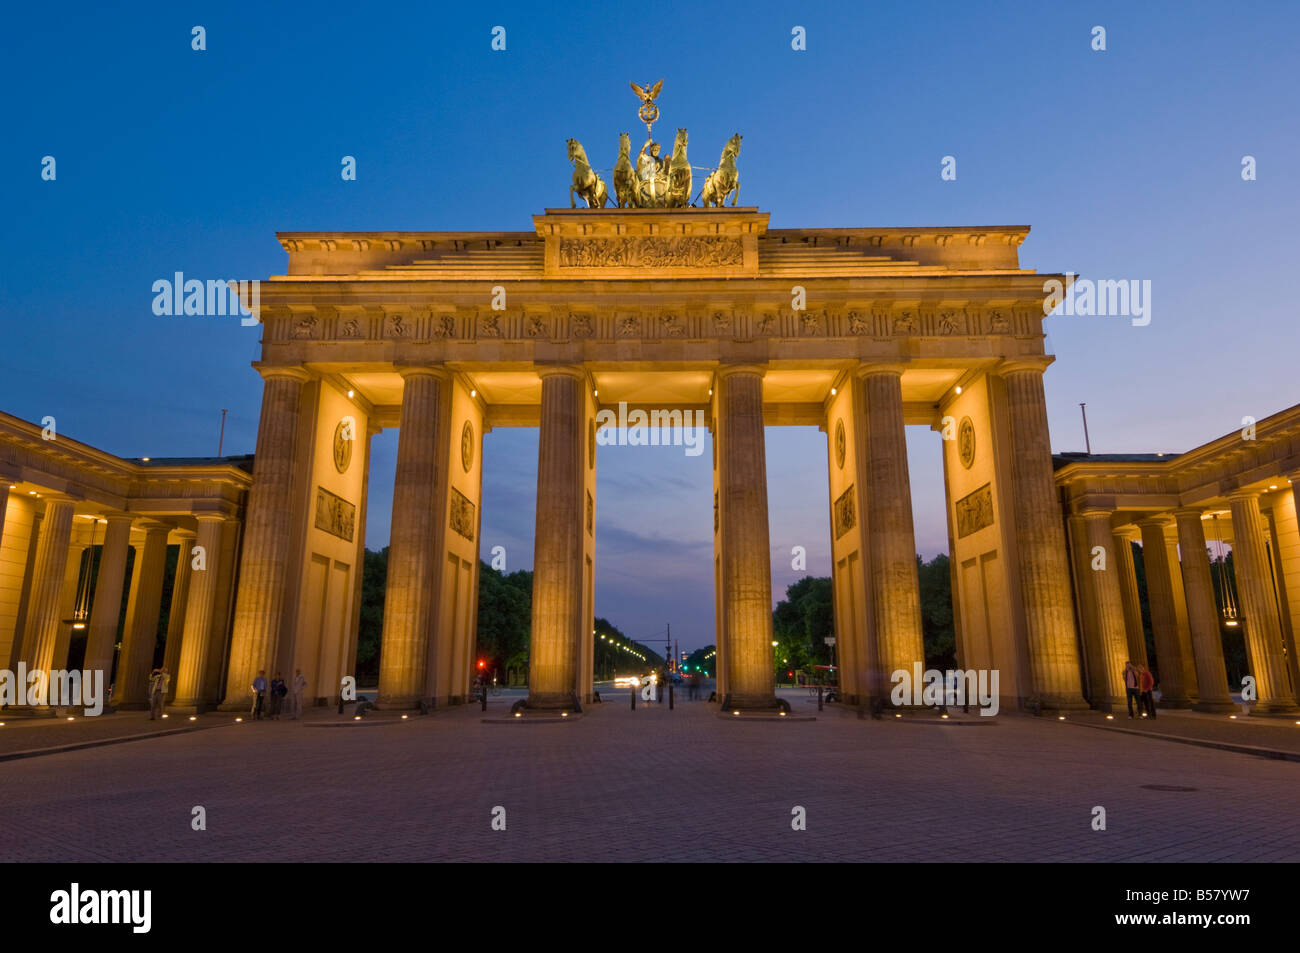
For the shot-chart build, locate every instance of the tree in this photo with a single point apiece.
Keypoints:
(937, 631)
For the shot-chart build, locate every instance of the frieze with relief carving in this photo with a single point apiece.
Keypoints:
(335, 515)
(651, 251)
(974, 511)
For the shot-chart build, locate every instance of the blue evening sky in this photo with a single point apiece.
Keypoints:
(1126, 163)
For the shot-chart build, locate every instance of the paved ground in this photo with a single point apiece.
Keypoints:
(651, 784)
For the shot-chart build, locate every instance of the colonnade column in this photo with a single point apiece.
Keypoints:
(746, 548)
(1164, 617)
(195, 638)
(45, 602)
(131, 684)
(1258, 606)
(107, 608)
(264, 563)
(1202, 614)
(896, 589)
(1040, 543)
(1108, 611)
(557, 620)
(411, 597)
(1128, 590)
(176, 617)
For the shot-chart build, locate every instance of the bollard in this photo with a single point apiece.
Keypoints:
(670, 695)
(483, 698)
(819, 698)
(634, 691)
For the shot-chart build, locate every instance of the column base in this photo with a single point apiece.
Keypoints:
(403, 703)
(1217, 707)
(739, 701)
(549, 701)
(1183, 702)
(1279, 708)
(1055, 702)
(130, 706)
(187, 706)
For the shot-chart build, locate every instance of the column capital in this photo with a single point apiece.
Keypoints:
(1242, 494)
(1128, 531)
(1157, 520)
(872, 370)
(1035, 364)
(438, 371)
(1096, 512)
(272, 371)
(1188, 512)
(576, 371)
(726, 370)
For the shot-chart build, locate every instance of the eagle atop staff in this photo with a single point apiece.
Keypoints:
(648, 112)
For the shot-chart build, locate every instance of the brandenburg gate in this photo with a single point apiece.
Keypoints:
(447, 335)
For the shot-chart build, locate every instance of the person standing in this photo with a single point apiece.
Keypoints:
(1147, 684)
(278, 691)
(1131, 690)
(259, 690)
(159, 681)
(298, 687)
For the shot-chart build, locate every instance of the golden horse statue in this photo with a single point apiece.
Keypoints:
(724, 180)
(624, 175)
(679, 175)
(586, 183)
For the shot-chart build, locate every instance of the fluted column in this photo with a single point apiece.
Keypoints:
(1164, 618)
(746, 551)
(263, 565)
(1202, 614)
(896, 590)
(106, 610)
(411, 597)
(176, 617)
(45, 603)
(1108, 610)
(1128, 590)
(1258, 605)
(131, 684)
(557, 555)
(195, 638)
(1040, 543)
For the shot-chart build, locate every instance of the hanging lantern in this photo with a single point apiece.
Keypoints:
(81, 609)
(1231, 616)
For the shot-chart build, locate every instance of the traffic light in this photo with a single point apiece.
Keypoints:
(481, 663)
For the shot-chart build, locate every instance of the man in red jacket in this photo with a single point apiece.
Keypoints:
(1146, 685)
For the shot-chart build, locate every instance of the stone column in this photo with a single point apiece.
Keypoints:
(1128, 590)
(106, 610)
(411, 597)
(557, 556)
(1040, 543)
(45, 602)
(1108, 610)
(1258, 605)
(176, 617)
(1202, 615)
(195, 638)
(131, 684)
(4, 504)
(746, 548)
(896, 590)
(263, 565)
(1164, 617)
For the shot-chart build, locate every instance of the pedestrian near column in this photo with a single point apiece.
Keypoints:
(259, 692)
(159, 681)
(1132, 691)
(298, 688)
(1147, 684)
(278, 691)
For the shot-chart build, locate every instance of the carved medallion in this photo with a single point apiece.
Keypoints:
(839, 444)
(344, 435)
(467, 446)
(966, 442)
